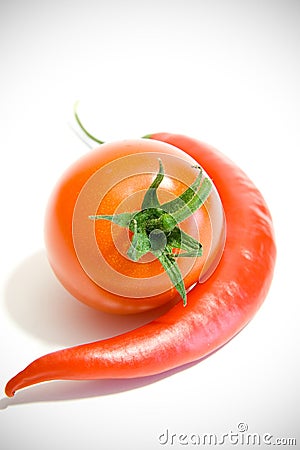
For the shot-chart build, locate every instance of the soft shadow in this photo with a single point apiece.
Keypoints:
(42, 307)
(54, 391)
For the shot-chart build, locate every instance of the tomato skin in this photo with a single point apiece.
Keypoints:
(59, 230)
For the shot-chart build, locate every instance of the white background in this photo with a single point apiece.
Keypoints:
(226, 72)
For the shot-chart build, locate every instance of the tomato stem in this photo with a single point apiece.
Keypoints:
(155, 227)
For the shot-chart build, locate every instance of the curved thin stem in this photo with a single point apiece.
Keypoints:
(83, 128)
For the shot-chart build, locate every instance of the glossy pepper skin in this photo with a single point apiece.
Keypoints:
(217, 310)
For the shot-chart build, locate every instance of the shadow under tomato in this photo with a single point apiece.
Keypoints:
(43, 308)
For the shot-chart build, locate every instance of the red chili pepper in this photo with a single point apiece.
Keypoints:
(217, 310)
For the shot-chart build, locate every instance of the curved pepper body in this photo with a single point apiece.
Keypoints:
(217, 309)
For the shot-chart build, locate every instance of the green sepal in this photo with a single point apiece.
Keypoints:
(150, 199)
(123, 219)
(195, 203)
(185, 197)
(183, 241)
(140, 243)
(170, 265)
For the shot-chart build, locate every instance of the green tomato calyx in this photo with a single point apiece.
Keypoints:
(155, 227)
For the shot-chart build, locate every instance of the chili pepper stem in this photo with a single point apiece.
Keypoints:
(82, 127)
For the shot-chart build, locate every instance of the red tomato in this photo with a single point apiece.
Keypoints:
(90, 257)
